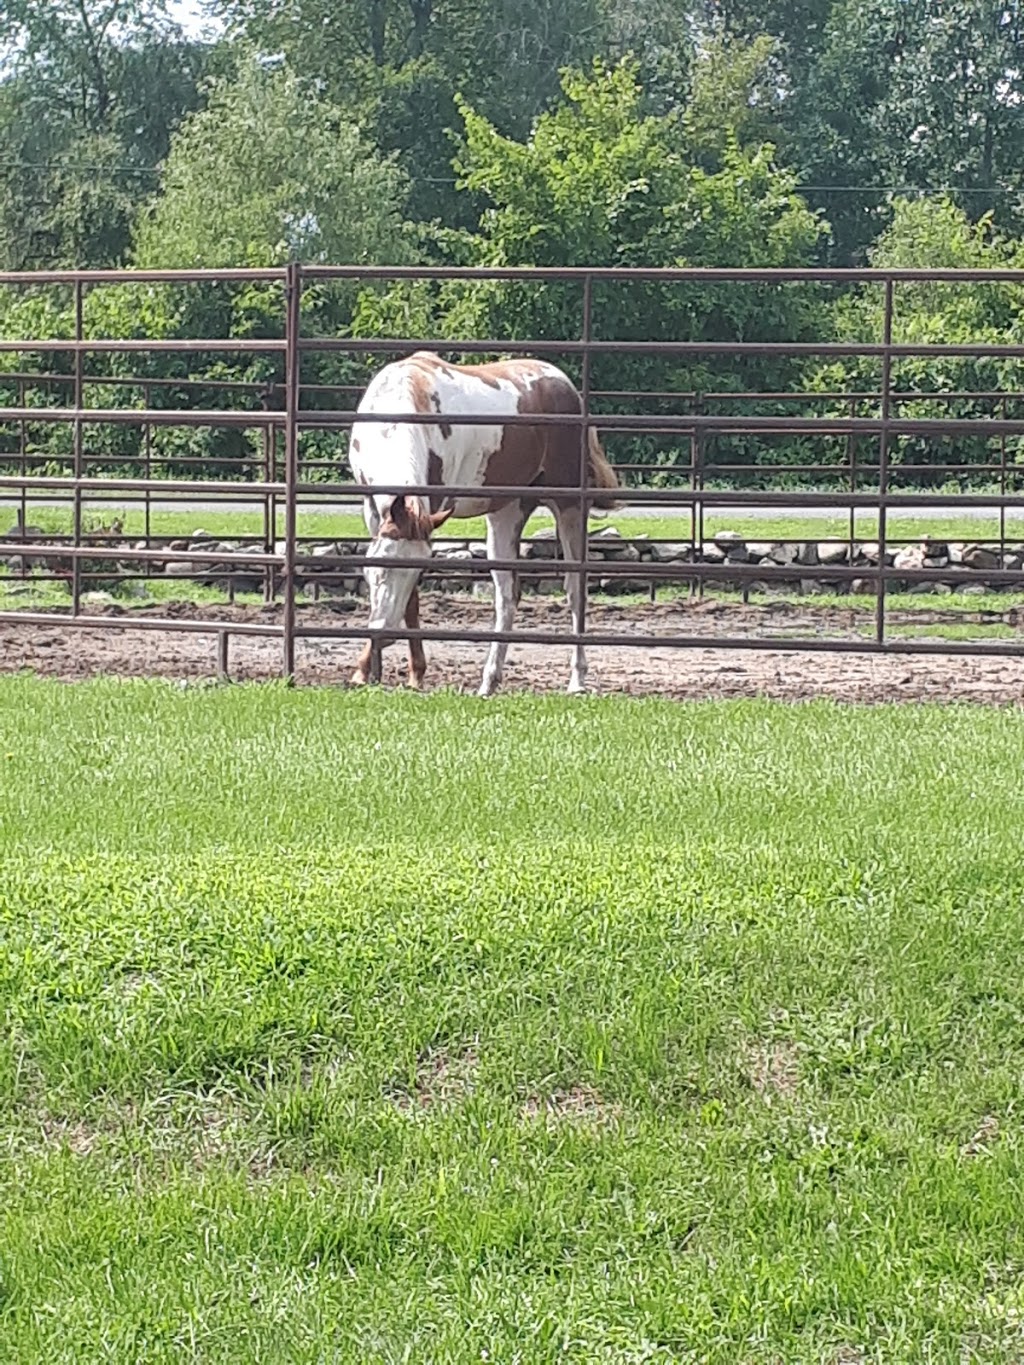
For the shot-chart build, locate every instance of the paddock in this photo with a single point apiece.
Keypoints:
(870, 605)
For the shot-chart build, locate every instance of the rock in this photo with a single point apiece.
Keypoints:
(870, 552)
(711, 553)
(729, 540)
(180, 568)
(956, 553)
(322, 551)
(1013, 559)
(811, 586)
(867, 587)
(980, 557)
(478, 549)
(974, 589)
(176, 546)
(606, 533)
(934, 549)
(669, 552)
(784, 554)
(808, 553)
(759, 549)
(912, 557)
(942, 589)
(200, 535)
(623, 553)
(97, 599)
(831, 552)
(543, 544)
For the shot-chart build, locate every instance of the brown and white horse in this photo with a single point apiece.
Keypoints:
(447, 453)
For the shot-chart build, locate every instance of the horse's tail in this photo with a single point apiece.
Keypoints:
(601, 473)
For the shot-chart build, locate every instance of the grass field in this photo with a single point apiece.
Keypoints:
(378, 1028)
(331, 525)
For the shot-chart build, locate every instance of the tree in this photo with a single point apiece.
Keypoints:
(912, 93)
(599, 182)
(930, 233)
(91, 93)
(264, 174)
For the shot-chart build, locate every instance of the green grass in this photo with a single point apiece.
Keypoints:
(290, 979)
(341, 525)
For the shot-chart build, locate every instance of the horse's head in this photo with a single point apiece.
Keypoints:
(404, 533)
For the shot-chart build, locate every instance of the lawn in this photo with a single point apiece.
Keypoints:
(373, 1027)
(327, 525)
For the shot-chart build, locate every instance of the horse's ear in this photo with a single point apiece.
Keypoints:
(437, 519)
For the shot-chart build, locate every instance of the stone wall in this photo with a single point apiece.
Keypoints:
(794, 566)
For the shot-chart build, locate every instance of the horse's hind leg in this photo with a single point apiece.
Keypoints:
(572, 533)
(504, 528)
(417, 657)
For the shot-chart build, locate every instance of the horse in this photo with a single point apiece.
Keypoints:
(469, 456)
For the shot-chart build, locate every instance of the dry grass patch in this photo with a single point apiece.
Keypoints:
(773, 1069)
(581, 1104)
(442, 1079)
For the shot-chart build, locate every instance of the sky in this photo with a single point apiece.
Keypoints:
(189, 15)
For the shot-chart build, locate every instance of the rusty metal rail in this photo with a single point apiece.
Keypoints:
(284, 493)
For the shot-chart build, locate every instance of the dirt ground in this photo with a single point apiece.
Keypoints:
(61, 651)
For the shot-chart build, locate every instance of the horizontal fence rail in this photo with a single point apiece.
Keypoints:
(282, 410)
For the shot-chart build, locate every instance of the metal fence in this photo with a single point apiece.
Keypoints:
(280, 481)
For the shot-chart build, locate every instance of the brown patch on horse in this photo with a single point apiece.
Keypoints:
(405, 520)
(435, 475)
(549, 455)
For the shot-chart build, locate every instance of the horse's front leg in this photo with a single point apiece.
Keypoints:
(417, 656)
(369, 667)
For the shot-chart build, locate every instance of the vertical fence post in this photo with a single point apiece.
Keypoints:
(851, 456)
(147, 398)
(76, 563)
(293, 303)
(1002, 484)
(698, 511)
(23, 464)
(588, 309)
(883, 459)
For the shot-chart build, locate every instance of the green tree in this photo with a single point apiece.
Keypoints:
(935, 234)
(396, 66)
(601, 182)
(90, 95)
(263, 174)
(913, 93)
